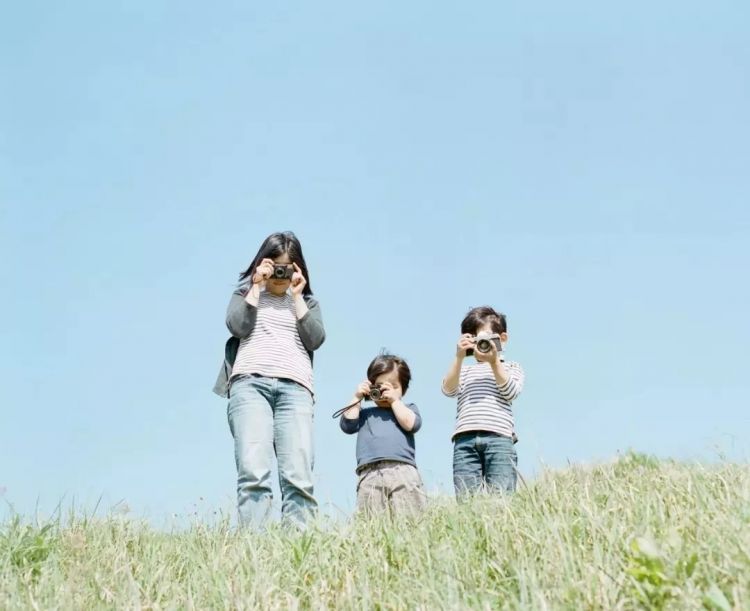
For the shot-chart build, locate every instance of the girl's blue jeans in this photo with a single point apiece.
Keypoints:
(483, 461)
(267, 416)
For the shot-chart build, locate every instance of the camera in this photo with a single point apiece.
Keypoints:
(483, 343)
(376, 393)
(282, 271)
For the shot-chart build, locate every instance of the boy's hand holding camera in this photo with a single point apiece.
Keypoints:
(489, 355)
(465, 343)
(492, 356)
(486, 348)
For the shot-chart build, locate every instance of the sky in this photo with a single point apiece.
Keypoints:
(581, 166)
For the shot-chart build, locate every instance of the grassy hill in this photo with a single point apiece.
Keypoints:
(636, 533)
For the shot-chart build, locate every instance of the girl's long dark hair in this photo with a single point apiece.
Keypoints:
(275, 245)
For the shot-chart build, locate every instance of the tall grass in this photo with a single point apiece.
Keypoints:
(637, 533)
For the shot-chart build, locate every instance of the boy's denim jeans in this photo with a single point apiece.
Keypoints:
(483, 461)
(267, 415)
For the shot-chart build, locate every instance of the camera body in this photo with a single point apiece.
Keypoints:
(483, 343)
(282, 271)
(376, 393)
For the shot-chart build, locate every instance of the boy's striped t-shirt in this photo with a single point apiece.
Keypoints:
(274, 348)
(482, 404)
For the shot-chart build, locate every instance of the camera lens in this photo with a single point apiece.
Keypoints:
(375, 393)
(483, 345)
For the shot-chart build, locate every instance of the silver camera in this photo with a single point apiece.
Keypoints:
(483, 343)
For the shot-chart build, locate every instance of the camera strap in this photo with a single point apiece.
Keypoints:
(339, 412)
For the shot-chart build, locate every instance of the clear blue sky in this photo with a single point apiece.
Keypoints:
(583, 166)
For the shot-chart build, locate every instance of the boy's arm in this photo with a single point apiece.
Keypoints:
(407, 416)
(509, 379)
(508, 376)
(453, 377)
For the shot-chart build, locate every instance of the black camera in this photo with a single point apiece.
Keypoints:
(282, 271)
(376, 393)
(483, 343)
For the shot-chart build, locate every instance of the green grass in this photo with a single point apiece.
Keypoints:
(636, 533)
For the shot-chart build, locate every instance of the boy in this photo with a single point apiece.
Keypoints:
(388, 480)
(483, 452)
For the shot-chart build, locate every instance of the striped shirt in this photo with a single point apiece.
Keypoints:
(274, 348)
(482, 404)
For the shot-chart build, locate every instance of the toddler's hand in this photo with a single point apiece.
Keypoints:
(390, 394)
(363, 390)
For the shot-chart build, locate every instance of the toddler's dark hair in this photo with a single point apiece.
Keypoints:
(385, 363)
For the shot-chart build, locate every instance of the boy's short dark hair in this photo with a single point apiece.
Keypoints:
(385, 363)
(483, 314)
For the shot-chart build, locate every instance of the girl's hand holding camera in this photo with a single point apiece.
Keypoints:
(263, 272)
(298, 281)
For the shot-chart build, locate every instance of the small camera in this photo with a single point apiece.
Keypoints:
(376, 393)
(282, 271)
(483, 343)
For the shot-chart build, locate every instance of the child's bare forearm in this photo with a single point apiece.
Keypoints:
(450, 381)
(405, 417)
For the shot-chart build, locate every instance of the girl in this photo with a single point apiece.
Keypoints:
(388, 480)
(267, 375)
(483, 452)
